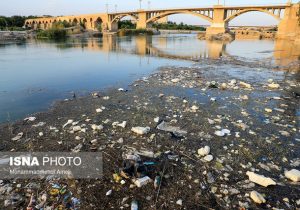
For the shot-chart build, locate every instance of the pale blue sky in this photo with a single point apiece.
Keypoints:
(70, 7)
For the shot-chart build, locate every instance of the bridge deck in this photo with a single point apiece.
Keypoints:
(279, 6)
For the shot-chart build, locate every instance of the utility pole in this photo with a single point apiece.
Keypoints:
(140, 4)
(149, 5)
(116, 8)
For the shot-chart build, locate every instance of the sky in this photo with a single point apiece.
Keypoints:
(75, 7)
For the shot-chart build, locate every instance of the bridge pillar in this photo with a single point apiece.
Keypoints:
(107, 24)
(142, 20)
(113, 27)
(218, 24)
(289, 27)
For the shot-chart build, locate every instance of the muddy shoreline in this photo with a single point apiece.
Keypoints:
(260, 113)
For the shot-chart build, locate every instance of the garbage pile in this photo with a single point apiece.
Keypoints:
(141, 171)
(56, 195)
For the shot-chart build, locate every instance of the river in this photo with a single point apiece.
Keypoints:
(34, 74)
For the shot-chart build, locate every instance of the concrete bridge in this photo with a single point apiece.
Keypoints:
(219, 17)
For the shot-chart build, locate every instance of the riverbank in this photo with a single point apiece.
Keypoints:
(246, 112)
(8, 36)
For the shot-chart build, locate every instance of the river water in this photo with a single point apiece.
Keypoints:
(36, 73)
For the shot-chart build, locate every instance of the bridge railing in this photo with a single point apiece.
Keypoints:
(195, 7)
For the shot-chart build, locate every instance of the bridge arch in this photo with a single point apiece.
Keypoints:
(98, 23)
(75, 21)
(117, 18)
(231, 17)
(165, 14)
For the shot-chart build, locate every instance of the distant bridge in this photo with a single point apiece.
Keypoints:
(218, 16)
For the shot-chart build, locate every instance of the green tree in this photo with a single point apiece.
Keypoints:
(3, 23)
(126, 24)
(17, 21)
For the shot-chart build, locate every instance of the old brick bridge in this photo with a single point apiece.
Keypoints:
(219, 17)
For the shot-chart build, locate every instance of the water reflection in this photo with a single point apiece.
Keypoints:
(281, 52)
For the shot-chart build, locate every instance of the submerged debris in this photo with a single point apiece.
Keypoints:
(175, 130)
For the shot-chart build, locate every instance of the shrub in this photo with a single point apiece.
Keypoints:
(174, 26)
(127, 32)
(53, 33)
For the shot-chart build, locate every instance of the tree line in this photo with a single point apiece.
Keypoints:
(127, 24)
(14, 22)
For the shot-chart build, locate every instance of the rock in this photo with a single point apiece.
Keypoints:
(108, 193)
(99, 110)
(204, 151)
(96, 95)
(94, 141)
(30, 119)
(244, 97)
(293, 175)
(221, 37)
(76, 128)
(147, 153)
(179, 202)
(123, 124)
(212, 84)
(18, 137)
(201, 36)
(121, 90)
(257, 197)
(208, 158)
(285, 133)
(222, 132)
(68, 123)
(260, 179)
(268, 110)
(7, 203)
(211, 122)
(219, 133)
(40, 124)
(225, 131)
(232, 82)
(97, 127)
(156, 119)
(175, 80)
(245, 85)
(273, 86)
(120, 140)
(194, 108)
(140, 130)
(223, 86)
(164, 126)
(41, 134)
